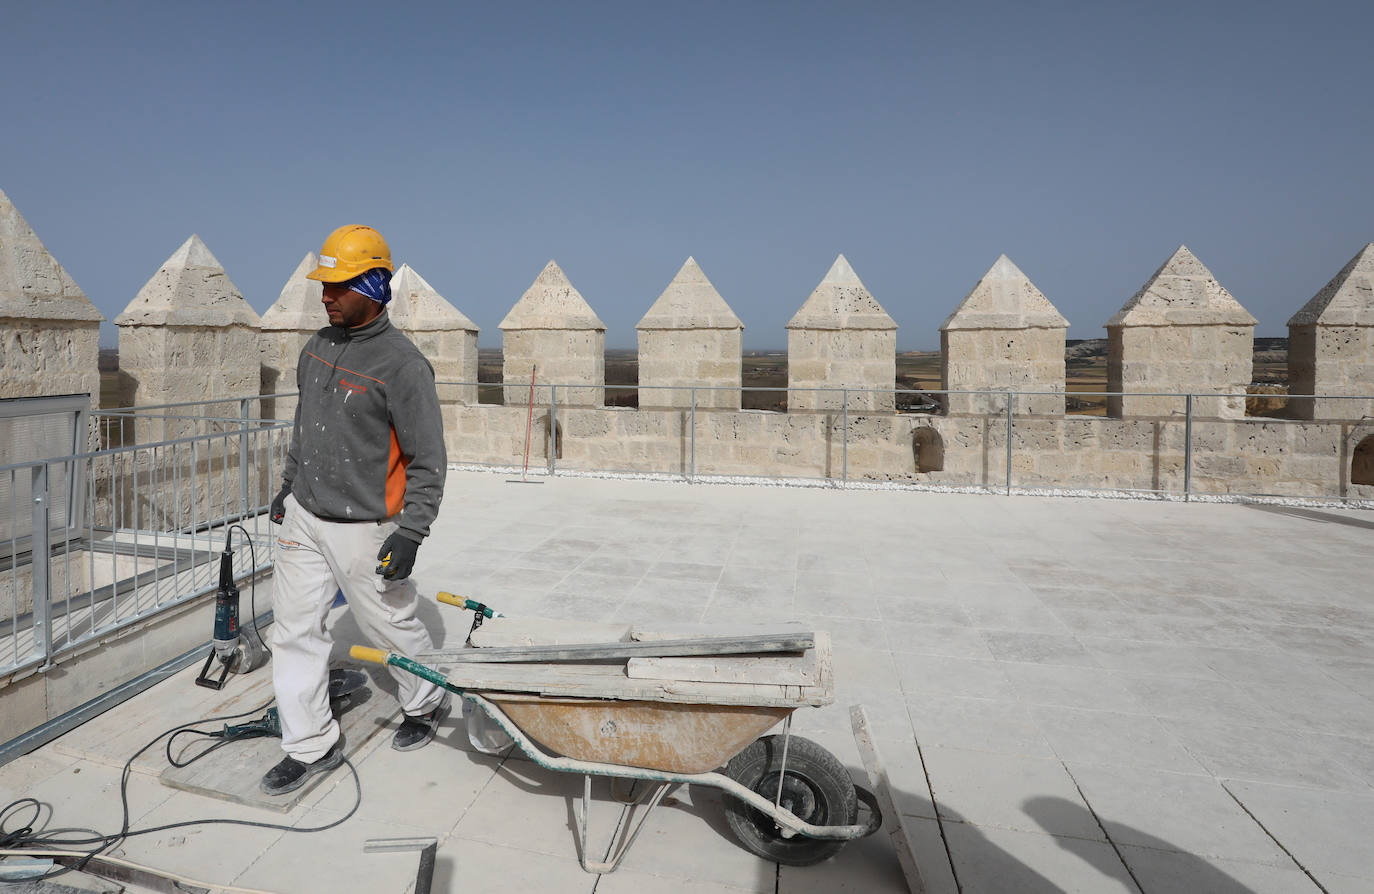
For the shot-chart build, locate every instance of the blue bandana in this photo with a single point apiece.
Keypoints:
(374, 284)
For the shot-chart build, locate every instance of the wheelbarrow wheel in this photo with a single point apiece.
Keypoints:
(816, 787)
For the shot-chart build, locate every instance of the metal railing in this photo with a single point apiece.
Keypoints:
(1167, 467)
(144, 528)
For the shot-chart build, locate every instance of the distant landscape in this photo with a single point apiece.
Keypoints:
(917, 372)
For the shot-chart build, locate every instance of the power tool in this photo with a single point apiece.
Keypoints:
(237, 651)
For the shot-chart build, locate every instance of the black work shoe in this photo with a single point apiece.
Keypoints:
(291, 774)
(416, 732)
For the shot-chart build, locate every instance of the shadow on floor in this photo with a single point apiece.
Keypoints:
(1314, 515)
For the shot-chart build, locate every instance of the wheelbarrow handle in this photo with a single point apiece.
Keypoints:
(464, 602)
(381, 656)
(367, 653)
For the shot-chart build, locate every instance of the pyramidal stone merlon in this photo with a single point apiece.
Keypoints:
(553, 329)
(446, 337)
(690, 339)
(551, 302)
(841, 338)
(49, 330)
(1331, 345)
(841, 301)
(1005, 298)
(33, 285)
(1347, 300)
(1182, 292)
(690, 302)
(188, 335)
(189, 289)
(1004, 335)
(299, 306)
(418, 306)
(286, 326)
(1182, 332)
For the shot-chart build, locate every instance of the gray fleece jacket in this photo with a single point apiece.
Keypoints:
(368, 443)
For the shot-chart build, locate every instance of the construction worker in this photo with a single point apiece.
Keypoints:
(362, 483)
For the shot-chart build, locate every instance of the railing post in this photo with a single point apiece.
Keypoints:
(553, 429)
(1188, 448)
(692, 469)
(42, 584)
(1009, 406)
(243, 457)
(844, 439)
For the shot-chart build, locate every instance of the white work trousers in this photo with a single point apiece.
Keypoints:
(314, 559)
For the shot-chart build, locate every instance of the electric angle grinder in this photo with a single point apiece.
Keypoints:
(236, 650)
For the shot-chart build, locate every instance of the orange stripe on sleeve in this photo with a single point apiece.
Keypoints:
(395, 478)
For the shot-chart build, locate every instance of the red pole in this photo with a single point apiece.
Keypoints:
(529, 423)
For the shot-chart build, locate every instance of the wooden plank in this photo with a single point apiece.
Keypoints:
(711, 645)
(783, 669)
(497, 632)
(692, 630)
(882, 787)
(232, 773)
(605, 681)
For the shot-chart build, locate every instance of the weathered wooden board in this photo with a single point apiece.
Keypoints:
(794, 641)
(783, 669)
(496, 632)
(608, 680)
(695, 629)
(882, 788)
(232, 773)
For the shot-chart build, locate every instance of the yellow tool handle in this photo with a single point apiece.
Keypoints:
(450, 599)
(367, 653)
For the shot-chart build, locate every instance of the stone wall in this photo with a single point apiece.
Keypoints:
(171, 364)
(827, 360)
(672, 361)
(564, 357)
(1330, 360)
(49, 357)
(1282, 457)
(1017, 360)
(1198, 359)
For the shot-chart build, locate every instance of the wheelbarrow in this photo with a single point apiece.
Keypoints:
(790, 800)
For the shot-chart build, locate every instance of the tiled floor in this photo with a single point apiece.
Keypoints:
(1071, 695)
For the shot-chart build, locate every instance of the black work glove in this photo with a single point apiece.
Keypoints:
(278, 510)
(397, 556)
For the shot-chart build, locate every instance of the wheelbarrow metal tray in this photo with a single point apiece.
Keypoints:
(674, 737)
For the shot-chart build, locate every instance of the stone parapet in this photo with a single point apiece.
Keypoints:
(1281, 457)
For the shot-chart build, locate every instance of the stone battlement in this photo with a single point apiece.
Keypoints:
(187, 333)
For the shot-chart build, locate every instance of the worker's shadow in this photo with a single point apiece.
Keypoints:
(346, 633)
(955, 855)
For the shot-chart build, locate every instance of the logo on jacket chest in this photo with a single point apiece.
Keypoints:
(352, 387)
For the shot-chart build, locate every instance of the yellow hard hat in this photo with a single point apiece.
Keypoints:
(349, 251)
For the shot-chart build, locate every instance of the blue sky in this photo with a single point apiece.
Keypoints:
(1084, 140)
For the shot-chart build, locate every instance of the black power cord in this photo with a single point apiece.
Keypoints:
(34, 835)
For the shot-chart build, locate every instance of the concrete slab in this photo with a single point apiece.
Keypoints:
(1145, 653)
